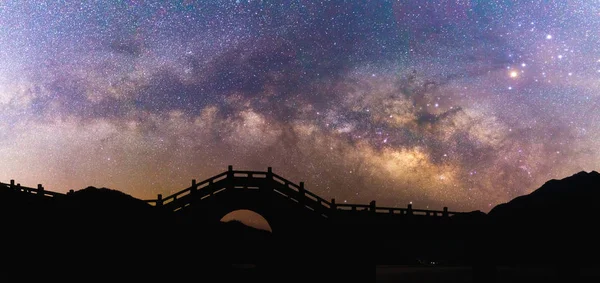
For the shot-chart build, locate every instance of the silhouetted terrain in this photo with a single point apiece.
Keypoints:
(566, 198)
(555, 224)
(101, 230)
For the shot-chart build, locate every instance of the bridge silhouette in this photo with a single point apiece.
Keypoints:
(290, 209)
(264, 192)
(346, 234)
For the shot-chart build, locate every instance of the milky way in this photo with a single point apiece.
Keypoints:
(464, 104)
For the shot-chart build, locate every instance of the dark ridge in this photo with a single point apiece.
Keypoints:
(239, 229)
(555, 224)
(570, 196)
(109, 199)
(102, 206)
(92, 192)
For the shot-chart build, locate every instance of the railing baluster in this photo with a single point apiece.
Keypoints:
(301, 192)
(159, 200)
(229, 179)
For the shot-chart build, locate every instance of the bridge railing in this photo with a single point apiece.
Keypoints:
(292, 191)
(353, 207)
(395, 210)
(40, 190)
(287, 189)
(250, 174)
(301, 190)
(195, 186)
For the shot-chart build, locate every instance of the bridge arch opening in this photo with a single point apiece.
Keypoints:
(249, 218)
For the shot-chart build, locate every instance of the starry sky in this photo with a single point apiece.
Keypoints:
(464, 104)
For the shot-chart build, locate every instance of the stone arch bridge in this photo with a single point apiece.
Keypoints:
(295, 213)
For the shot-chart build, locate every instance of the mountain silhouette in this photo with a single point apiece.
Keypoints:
(95, 206)
(569, 197)
(100, 197)
(555, 224)
(237, 229)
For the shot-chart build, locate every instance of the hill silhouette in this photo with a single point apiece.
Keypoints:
(237, 229)
(565, 198)
(105, 208)
(553, 225)
(93, 198)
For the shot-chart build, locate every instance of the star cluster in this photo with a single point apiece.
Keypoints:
(464, 104)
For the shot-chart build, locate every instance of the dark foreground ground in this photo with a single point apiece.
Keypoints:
(413, 274)
(404, 274)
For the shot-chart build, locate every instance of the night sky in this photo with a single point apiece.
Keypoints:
(464, 104)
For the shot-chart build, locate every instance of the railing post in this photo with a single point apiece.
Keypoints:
(333, 205)
(372, 206)
(12, 184)
(40, 189)
(229, 177)
(159, 200)
(302, 193)
(409, 211)
(193, 190)
(269, 173)
(445, 213)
